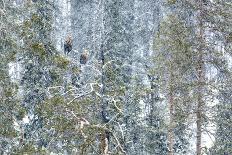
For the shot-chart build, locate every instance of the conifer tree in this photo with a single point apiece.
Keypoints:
(172, 56)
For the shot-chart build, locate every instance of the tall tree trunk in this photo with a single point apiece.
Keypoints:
(199, 107)
(104, 137)
(171, 110)
(199, 124)
(200, 72)
(105, 119)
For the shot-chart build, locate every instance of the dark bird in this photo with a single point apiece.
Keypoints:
(84, 57)
(68, 45)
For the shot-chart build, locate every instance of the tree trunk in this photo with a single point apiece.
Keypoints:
(105, 119)
(171, 110)
(200, 72)
(170, 128)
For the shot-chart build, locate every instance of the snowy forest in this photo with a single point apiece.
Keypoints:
(115, 77)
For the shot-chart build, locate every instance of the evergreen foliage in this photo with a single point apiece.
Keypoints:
(155, 80)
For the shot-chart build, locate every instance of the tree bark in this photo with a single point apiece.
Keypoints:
(170, 129)
(171, 111)
(200, 72)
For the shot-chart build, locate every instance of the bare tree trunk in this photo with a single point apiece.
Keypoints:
(200, 72)
(105, 119)
(200, 103)
(171, 110)
(105, 135)
(199, 131)
(170, 128)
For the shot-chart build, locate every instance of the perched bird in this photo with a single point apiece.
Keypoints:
(68, 45)
(84, 57)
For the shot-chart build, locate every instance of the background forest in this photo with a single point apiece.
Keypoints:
(116, 77)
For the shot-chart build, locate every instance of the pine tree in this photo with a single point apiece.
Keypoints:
(171, 58)
(10, 109)
(36, 58)
(219, 17)
(212, 28)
